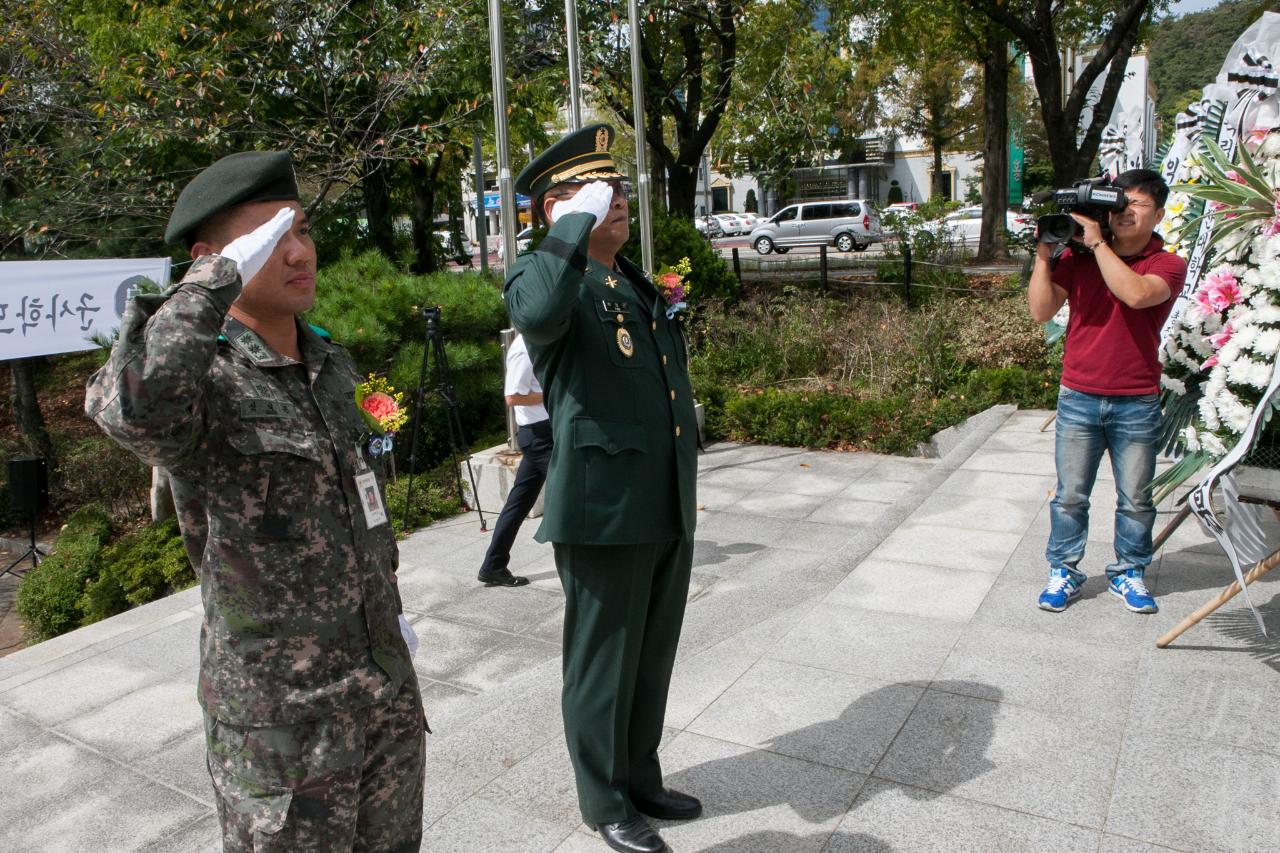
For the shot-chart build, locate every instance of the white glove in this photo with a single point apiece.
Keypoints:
(595, 198)
(251, 251)
(410, 638)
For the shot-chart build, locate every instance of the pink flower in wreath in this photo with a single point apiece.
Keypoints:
(1220, 292)
(1233, 175)
(1220, 340)
(380, 405)
(1209, 362)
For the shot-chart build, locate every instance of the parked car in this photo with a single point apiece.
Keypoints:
(461, 253)
(731, 224)
(966, 224)
(523, 241)
(899, 214)
(850, 225)
(708, 226)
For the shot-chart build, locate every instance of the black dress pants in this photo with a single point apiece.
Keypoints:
(535, 441)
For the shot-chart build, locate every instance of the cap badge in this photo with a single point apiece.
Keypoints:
(602, 140)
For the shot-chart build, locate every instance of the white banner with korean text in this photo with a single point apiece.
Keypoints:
(55, 307)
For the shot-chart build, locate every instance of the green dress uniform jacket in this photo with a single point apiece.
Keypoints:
(300, 596)
(614, 374)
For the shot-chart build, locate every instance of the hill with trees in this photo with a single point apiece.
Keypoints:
(1187, 51)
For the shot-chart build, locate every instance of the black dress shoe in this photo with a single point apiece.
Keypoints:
(669, 805)
(632, 836)
(502, 578)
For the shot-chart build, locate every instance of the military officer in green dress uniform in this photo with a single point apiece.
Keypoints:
(619, 505)
(313, 720)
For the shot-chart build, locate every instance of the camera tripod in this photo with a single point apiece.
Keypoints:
(434, 345)
(33, 551)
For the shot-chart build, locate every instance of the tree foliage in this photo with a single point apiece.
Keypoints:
(797, 95)
(689, 53)
(110, 105)
(1044, 29)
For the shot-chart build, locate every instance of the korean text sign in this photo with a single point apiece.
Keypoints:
(54, 307)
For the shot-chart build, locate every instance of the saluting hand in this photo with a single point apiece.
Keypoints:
(251, 251)
(595, 198)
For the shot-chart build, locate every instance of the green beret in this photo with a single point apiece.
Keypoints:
(235, 179)
(579, 158)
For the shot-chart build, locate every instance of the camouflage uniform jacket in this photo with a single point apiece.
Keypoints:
(300, 597)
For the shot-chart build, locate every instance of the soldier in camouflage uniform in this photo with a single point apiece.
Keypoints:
(313, 718)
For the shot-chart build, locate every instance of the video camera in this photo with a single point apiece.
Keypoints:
(1094, 198)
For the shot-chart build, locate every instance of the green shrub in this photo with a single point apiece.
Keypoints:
(49, 595)
(1027, 389)
(435, 496)
(142, 566)
(999, 332)
(820, 419)
(96, 470)
(674, 237)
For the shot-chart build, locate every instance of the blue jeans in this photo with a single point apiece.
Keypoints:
(1088, 424)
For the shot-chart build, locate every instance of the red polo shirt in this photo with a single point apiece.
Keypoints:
(1113, 349)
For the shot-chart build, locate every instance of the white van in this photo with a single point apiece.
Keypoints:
(850, 225)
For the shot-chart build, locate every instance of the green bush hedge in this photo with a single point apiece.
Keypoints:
(140, 567)
(48, 599)
(821, 419)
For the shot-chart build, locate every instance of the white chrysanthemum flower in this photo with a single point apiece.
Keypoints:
(1261, 376)
(1208, 412)
(1177, 386)
(1212, 445)
(1267, 342)
(1245, 335)
(1191, 438)
(1266, 314)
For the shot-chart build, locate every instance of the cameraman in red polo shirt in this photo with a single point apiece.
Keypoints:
(1121, 289)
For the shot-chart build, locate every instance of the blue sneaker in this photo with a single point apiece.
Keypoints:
(1064, 588)
(1130, 588)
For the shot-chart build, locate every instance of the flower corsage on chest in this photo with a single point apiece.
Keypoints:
(673, 284)
(381, 408)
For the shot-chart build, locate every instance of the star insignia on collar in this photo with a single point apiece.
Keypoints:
(611, 281)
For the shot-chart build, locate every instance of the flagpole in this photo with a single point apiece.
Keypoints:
(575, 71)
(506, 184)
(642, 167)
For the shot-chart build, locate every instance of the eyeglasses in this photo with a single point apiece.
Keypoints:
(620, 188)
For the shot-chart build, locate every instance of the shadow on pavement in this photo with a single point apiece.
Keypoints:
(947, 752)
(708, 553)
(1239, 625)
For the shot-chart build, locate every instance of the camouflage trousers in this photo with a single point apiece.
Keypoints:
(351, 782)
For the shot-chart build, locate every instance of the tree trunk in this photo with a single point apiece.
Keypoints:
(26, 410)
(937, 183)
(682, 191)
(427, 253)
(377, 207)
(995, 143)
(657, 182)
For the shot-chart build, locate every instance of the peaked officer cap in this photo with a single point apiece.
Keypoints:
(235, 179)
(579, 157)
